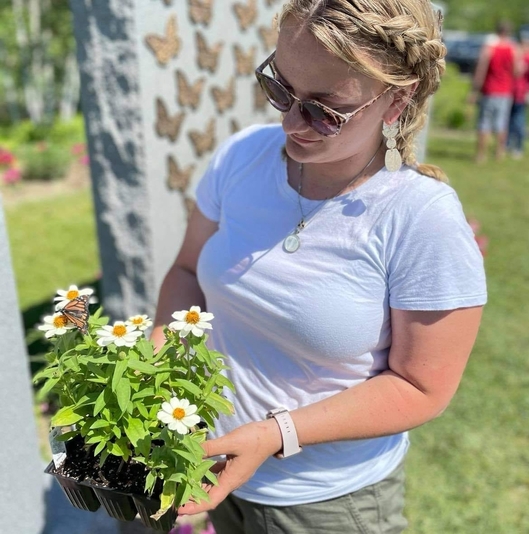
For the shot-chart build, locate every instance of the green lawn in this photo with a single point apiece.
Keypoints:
(53, 244)
(468, 471)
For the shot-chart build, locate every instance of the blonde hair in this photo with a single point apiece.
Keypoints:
(403, 37)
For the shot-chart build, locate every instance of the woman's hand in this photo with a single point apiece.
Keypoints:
(246, 448)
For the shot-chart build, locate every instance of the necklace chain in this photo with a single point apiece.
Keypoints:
(292, 241)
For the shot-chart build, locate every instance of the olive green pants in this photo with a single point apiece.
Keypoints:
(376, 509)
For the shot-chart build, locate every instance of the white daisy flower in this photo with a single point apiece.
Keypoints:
(55, 325)
(65, 296)
(141, 322)
(121, 334)
(178, 415)
(193, 321)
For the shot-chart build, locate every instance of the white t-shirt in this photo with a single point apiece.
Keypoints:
(300, 327)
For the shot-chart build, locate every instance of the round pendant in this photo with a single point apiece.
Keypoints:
(291, 243)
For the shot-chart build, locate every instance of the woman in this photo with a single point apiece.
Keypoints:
(347, 288)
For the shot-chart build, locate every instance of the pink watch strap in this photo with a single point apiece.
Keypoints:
(288, 432)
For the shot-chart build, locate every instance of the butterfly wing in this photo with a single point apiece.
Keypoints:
(178, 179)
(76, 311)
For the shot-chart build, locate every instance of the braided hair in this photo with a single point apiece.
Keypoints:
(397, 42)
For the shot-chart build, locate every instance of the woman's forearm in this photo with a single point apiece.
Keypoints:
(383, 405)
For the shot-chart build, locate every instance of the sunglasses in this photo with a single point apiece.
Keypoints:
(320, 118)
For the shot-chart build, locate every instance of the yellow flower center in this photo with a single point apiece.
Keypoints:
(179, 413)
(192, 317)
(60, 321)
(72, 294)
(119, 330)
(137, 320)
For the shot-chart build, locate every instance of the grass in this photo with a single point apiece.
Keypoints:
(468, 471)
(53, 244)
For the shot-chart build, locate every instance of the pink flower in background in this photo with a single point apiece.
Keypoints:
(84, 160)
(11, 176)
(6, 158)
(186, 528)
(78, 149)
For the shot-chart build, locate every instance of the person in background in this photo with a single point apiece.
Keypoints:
(345, 283)
(515, 142)
(493, 81)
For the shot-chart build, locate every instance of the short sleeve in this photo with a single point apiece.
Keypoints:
(435, 263)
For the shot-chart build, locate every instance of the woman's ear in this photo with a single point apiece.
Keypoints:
(401, 98)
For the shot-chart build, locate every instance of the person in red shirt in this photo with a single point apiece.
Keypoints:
(497, 66)
(516, 139)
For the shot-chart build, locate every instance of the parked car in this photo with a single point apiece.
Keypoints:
(463, 49)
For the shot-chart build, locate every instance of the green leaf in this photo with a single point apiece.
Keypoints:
(150, 480)
(100, 423)
(145, 368)
(183, 493)
(116, 431)
(199, 494)
(204, 354)
(96, 370)
(168, 495)
(101, 402)
(47, 387)
(190, 443)
(212, 478)
(146, 392)
(199, 472)
(134, 430)
(45, 373)
(188, 386)
(146, 348)
(100, 447)
(176, 477)
(119, 448)
(121, 367)
(142, 409)
(161, 377)
(123, 393)
(65, 436)
(219, 403)
(187, 455)
(144, 445)
(66, 416)
(225, 382)
(104, 456)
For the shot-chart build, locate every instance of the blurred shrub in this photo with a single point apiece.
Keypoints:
(450, 108)
(59, 132)
(43, 161)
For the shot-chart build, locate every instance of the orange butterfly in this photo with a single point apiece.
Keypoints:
(178, 178)
(203, 141)
(244, 61)
(224, 98)
(208, 56)
(245, 13)
(200, 11)
(165, 47)
(76, 311)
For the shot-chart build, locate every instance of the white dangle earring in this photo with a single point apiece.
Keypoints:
(393, 159)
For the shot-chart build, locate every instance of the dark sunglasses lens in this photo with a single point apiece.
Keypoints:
(276, 94)
(318, 119)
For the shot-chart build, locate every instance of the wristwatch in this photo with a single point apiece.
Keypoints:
(288, 432)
